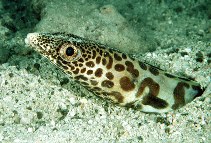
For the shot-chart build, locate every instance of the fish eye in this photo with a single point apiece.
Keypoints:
(69, 52)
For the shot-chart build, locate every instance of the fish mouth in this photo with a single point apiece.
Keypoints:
(32, 40)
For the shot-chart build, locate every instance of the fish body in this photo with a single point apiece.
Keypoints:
(114, 75)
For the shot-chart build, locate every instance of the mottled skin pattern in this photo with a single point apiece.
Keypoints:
(114, 75)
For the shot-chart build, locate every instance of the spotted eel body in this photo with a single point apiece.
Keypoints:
(114, 75)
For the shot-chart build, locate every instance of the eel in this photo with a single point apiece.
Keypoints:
(114, 75)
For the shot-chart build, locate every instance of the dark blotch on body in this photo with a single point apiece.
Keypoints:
(89, 72)
(117, 57)
(134, 106)
(119, 67)
(62, 65)
(186, 79)
(84, 83)
(93, 54)
(126, 84)
(104, 61)
(98, 59)
(109, 75)
(154, 101)
(143, 65)
(151, 84)
(96, 88)
(93, 82)
(151, 98)
(83, 70)
(131, 70)
(124, 56)
(90, 64)
(179, 95)
(118, 96)
(170, 75)
(81, 60)
(76, 71)
(99, 72)
(110, 62)
(154, 70)
(107, 83)
(81, 77)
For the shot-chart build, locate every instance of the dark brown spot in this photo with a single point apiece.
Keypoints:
(109, 75)
(111, 51)
(129, 64)
(170, 75)
(83, 70)
(110, 62)
(117, 57)
(98, 59)
(75, 63)
(97, 49)
(130, 105)
(69, 72)
(90, 64)
(84, 55)
(106, 54)
(81, 60)
(105, 93)
(65, 67)
(97, 92)
(76, 71)
(64, 62)
(101, 52)
(84, 84)
(104, 61)
(154, 70)
(135, 73)
(93, 82)
(126, 84)
(97, 88)
(90, 72)
(117, 95)
(61, 64)
(99, 72)
(119, 67)
(143, 65)
(82, 77)
(107, 83)
(151, 98)
(179, 95)
(154, 101)
(82, 50)
(93, 54)
(72, 67)
(186, 79)
(151, 84)
(59, 59)
(132, 58)
(124, 56)
(134, 106)
(131, 70)
(80, 65)
(89, 56)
